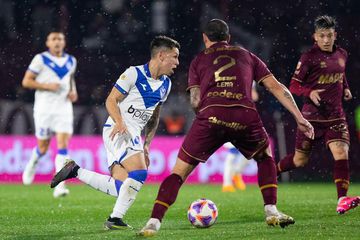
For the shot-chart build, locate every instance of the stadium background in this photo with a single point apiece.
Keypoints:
(106, 36)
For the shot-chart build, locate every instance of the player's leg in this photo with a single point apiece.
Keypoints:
(229, 170)
(300, 158)
(137, 173)
(62, 141)
(239, 167)
(167, 195)
(37, 153)
(267, 180)
(337, 139)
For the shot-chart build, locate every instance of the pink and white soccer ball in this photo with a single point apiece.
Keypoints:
(202, 213)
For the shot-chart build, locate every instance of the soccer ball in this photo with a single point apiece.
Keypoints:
(202, 213)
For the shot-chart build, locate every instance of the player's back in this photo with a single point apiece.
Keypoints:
(225, 75)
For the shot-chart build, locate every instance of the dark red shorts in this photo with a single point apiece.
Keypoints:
(217, 125)
(336, 130)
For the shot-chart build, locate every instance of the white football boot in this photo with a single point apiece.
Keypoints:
(275, 217)
(151, 228)
(61, 190)
(29, 172)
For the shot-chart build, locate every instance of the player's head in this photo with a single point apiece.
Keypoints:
(165, 51)
(216, 30)
(55, 41)
(325, 34)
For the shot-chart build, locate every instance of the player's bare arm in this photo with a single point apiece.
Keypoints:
(73, 96)
(195, 98)
(285, 98)
(112, 107)
(150, 130)
(30, 82)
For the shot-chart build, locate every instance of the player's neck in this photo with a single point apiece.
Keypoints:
(154, 70)
(56, 54)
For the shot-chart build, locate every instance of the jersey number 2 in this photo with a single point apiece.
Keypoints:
(219, 78)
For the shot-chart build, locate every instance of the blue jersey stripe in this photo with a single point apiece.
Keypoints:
(117, 86)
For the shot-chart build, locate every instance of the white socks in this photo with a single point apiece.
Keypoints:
(35, 156)
(228, 169)
(103, 183)
(127, 195)
(271, 210)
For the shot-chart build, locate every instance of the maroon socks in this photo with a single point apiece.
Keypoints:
(341, 176)
(267, 180)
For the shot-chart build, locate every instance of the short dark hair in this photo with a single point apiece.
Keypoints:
(217, 30)
(162, 41)
(325, 22)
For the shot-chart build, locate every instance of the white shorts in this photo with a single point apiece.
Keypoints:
(48, 123)
(121, 147)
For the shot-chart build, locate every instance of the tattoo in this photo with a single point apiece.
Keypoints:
(288, 95)
(151, 126)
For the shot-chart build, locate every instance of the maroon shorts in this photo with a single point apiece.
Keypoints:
(336, 130)
(217, 125)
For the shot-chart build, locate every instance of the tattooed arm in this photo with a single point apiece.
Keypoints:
(284, 96)
(150, 130)
(195, 98)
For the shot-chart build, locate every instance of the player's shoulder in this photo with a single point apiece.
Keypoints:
(130, 73)
(342, 51)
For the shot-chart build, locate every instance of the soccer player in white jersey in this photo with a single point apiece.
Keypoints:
(235, 162)
(51, 74)
(133, 104)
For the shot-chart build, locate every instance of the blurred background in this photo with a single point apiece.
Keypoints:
(109, 35)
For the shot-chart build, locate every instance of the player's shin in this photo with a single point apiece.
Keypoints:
(29, 171)
(128, 191)
(167, 194)
(103, 183)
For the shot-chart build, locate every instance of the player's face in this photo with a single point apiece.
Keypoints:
(55, 42)
(325, 38)
(169, 61)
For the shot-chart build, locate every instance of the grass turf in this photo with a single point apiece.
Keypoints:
(32, 213)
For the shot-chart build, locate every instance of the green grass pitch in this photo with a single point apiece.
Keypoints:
(32, 213)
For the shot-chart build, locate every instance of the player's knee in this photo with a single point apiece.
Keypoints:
(340, 153)
(138, 175)
(301, 161)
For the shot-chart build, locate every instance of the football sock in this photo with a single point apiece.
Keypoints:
(267, 180)
(341, 176)
(60, 159)
(228, 169)
(128, 192)
(286, 164)
(103, 183)
(167, 194)
(36, 155)
(240, 164)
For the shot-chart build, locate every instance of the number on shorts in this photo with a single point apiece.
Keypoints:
(219, 78)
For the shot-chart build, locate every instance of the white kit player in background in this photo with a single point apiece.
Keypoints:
(51, 74)
(235, 162)
(133, 105)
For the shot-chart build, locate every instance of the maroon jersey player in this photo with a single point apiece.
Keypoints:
(320, 78)
(220, 82)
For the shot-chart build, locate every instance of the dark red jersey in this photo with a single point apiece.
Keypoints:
(225, 75)
(317, 69)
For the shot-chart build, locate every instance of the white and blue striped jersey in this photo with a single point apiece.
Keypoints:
(143, 94)
(52, 69)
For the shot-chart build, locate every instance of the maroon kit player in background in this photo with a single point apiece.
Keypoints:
(320, 79)
(220, 82)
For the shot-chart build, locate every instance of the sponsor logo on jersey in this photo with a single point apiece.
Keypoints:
(226, 94)
(233, 125)
(139, 114)
(330, 78)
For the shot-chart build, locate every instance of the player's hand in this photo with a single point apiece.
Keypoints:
(119, 128)
(73, 96)
(53, 87)
(347, 94)
(306, 127)
(315, 96)
(146, 154)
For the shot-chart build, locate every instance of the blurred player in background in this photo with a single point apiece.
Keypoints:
(133, 104)
(51, 74)
(320, 79)
(220, 82)
(235, 161)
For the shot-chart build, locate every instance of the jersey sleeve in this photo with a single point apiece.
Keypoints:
(167, 93)
(36, 64)
(260, 69)
(126, 80)
(302, 69)
(193, 79)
